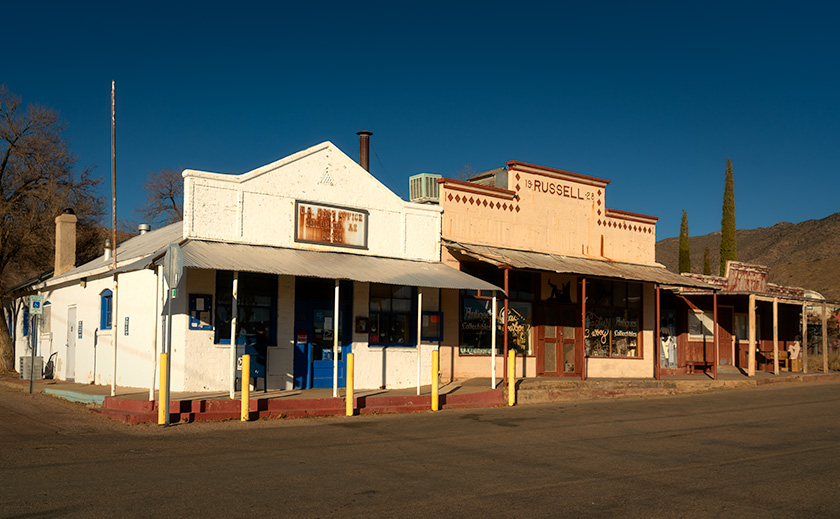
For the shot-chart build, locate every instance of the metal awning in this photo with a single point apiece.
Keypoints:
(573, 265)
(328, 265)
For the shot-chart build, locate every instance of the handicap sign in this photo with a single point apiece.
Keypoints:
(36, 305)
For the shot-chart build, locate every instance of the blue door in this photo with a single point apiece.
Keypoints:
(314, 325)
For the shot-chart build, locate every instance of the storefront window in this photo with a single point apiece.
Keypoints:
(613, 319)
(700, 325)
(476, 320)
(391, 311)
(256, 307)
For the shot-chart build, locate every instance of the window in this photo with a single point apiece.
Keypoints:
(26, 321)
(475, 323)
(45, 319)
(742, 323)
(613, 317)
(700, 325)
(391, 310)
(256, 306)
(105, 309)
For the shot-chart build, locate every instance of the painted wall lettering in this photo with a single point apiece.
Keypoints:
(332, 225)
(560, 189)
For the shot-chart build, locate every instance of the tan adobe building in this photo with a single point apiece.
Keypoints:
(581, 278)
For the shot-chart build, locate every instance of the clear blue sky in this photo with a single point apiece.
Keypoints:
(653, 96)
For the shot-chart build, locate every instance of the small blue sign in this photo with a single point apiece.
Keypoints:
(126, 326)
(80, 329)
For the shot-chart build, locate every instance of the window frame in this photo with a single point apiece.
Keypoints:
(706, 321)
(106, 309)
(246, 279)
(411, 316)
(612, 312)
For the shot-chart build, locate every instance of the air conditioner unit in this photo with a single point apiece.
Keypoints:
(423, 188)
(26, 367)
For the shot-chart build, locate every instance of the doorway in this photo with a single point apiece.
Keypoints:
(70, 356)
(558, 341)
(726, 321)
(314, 328)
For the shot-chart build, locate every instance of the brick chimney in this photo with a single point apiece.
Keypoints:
(65, 242)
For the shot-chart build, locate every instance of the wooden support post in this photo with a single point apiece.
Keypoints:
(776, 335)
(804, 348)
(717, 336)
(751, 333)
(825, 338)
(657, 354)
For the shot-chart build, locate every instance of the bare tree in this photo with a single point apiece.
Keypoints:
(37, 181)
(164, 197)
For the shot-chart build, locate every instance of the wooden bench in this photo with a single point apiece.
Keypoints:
(691, 364)
(784, 358)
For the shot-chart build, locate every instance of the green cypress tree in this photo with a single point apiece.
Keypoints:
(728, 239)
(685, 253)
(707, 267)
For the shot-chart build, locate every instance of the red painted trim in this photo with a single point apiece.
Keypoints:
(546, 171)
(615, 213)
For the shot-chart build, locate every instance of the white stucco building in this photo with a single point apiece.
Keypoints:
(293, 240)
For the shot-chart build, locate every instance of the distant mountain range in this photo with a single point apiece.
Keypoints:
(805, 255)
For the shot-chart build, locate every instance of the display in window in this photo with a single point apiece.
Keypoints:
(558, 288)
(476, 320)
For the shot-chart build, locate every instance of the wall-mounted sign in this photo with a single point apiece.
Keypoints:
(561, 189)
(331, 225)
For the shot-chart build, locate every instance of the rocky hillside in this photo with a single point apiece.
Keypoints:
(803, 255)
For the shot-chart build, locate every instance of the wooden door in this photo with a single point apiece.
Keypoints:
(558, 347)
(726, 321)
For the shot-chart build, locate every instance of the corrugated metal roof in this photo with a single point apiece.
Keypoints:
(132, 254)
(329, 265)
(572, 265)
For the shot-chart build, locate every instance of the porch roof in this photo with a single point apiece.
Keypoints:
(573, 265)
(327, 265)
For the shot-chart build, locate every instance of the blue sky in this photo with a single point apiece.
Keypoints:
(654, 96)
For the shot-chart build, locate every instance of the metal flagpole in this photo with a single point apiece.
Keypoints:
(114, 232)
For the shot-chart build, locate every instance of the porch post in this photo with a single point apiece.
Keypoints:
(493, 344)
(156, 328)
(717, 336)
(335, 342)
(583, 328)
(505, 324)
(419, 332)
(657, 340)
(776, 335)
(804, 343)
(234, 312)
(114, 327)
(751, 334)
(824, 338)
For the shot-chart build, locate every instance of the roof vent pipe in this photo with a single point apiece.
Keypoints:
(364, 149)
(107, 249)
(144, 228)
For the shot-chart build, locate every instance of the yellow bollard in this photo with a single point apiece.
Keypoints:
(435, 376)
(511, 377)
(246, 388)
(162, 391)
(348, 397)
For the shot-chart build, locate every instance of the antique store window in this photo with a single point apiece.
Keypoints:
(613, 317)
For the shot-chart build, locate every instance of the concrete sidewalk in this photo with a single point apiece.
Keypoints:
(133, 405)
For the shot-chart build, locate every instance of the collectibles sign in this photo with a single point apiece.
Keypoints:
(331, 225)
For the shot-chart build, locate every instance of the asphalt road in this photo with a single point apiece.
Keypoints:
(768, 452)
